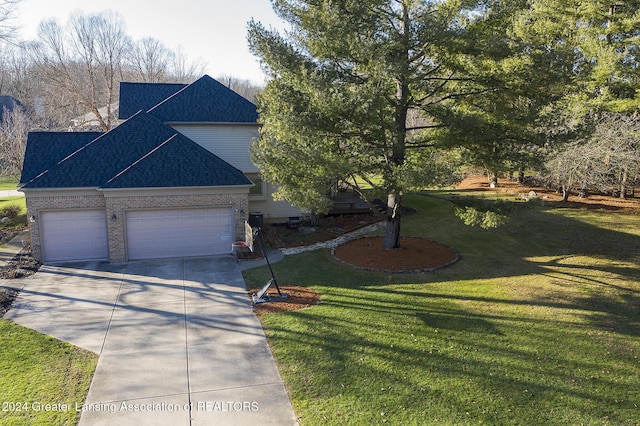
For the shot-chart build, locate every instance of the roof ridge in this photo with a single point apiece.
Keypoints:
(68, 156)
(206, 100)
(171, 96)
(91, 142)
(157, 83)
(142, 158)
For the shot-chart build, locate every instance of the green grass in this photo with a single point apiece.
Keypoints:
(18, 201)
(539, 322)
(18, 224)
(36, 370)
(8, 182)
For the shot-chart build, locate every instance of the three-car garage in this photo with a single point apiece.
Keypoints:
(68, 235)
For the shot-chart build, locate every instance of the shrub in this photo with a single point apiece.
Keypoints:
(486, 214)
(474, 217)
(10, 211)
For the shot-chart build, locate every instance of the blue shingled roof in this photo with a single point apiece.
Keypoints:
(8, 103)
(45, 149)
(135, 97)
(178, 162)
(206, 101)
(140, 153)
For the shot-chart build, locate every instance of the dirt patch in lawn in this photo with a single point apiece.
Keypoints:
(594, 201)
(298, 298)
(414, 255)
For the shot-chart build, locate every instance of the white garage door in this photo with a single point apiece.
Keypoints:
(177, 233)
(74, 235)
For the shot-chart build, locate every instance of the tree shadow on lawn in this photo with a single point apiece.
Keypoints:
(538, 318)
(449, 357)
(581, 266)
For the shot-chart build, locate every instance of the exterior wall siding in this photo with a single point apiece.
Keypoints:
(230, 142)
(273, 211)
(116, 207)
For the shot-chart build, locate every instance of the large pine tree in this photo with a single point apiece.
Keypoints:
(357, 90)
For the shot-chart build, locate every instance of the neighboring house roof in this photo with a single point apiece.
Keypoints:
(135, 97)
(8, 103)
(89, 120)
(45, 149)
(142, 152)
(205, 101)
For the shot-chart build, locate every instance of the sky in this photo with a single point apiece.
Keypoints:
(212, 31)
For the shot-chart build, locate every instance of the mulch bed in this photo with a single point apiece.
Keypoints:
(299, 298)
(7, 296)
(22, 265)
(414, 255)
(548, 195)
(328, 228)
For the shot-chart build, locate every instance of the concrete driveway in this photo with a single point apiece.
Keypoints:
(177, 339)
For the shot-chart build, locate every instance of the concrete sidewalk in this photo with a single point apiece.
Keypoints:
(9, 250)
(178, 341)
(10, 193)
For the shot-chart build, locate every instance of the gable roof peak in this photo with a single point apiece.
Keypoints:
(142, 96)
(206, 100)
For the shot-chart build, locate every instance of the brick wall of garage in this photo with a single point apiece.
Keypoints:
(36, 204)
(117, 206)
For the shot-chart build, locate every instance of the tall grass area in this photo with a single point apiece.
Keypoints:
(538, 323)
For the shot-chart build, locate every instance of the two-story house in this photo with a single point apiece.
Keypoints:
(174, 179)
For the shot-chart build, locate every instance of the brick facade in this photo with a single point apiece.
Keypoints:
(116, 207)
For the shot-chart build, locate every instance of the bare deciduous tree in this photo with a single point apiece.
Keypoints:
(244, 88)
(83, 62)
(14, 128)
(8, 27)
(616, 147)
(608, 160)
(150, 61)
(184, 69)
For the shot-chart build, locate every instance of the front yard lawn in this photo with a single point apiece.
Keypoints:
(14, 201)
(539, 322)
(42, 381)
(15, 225)
(9, 182)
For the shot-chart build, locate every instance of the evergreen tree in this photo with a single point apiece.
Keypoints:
(357, 90)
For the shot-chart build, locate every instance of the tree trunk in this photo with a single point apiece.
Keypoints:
(623, 184)
(392, 232)
(521, 175)
(565, 193)
(493, 180)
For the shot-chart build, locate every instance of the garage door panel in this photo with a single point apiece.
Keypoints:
(178, 233)
(74, 235)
